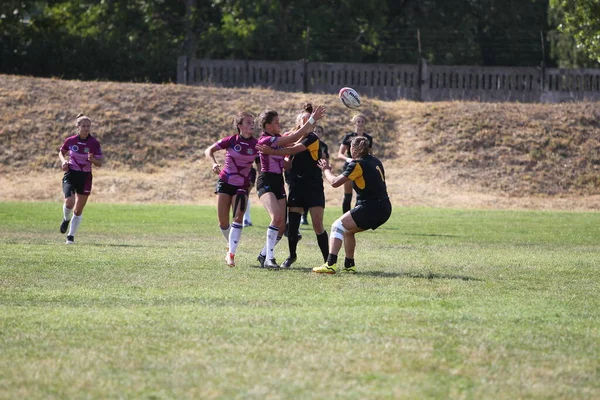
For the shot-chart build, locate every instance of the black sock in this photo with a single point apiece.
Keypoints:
(331, 259)
(294, 226)
(348, 262)
(305, 213)
(347, 202)
(323, 241)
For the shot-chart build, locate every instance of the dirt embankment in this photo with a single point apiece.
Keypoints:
(450, 154)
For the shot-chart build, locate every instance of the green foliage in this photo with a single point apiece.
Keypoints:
(579, 20)
(140, 40)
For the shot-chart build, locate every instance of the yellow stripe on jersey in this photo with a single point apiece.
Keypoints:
(357, 176)
(313, 148)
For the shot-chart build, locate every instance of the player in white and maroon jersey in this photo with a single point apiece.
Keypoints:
(269, 185)
(232, 186)
(77, 155)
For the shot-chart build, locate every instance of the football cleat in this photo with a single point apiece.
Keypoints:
(64, 225)
(325, 269)
(247, 223)
(70, 240)
(261, 259)
(271, 263)
(349, 270)
(288, 262)
(230, 259)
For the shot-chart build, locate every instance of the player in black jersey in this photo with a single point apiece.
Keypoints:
(373, 207)
(305, 181)
(360, 123)
(323, 154)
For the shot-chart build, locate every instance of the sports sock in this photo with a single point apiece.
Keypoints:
(294, 226)
(348, 262)
(247, 217)
(331, 259)
(323, 241)
(347, 202)
(74, 225)
(67, 212)
(272, 232)
(234, 236)
(225, 233)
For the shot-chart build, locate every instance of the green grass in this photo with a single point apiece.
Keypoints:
(447, 304)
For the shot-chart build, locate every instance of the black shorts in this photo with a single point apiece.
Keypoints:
(79, 182)
(306, 192)
(371, 214)
(269, 182)
(226, 188)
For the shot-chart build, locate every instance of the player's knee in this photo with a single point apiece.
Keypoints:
(337, 230)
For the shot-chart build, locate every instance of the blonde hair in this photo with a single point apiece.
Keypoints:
(357, 116)
(306, 113)
(80, 117)
(361, 145)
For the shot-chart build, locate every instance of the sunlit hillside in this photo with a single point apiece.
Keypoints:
(458, 154)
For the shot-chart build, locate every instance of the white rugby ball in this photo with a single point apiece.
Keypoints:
(349, 97)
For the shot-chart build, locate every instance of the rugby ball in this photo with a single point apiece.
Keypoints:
(349, 97)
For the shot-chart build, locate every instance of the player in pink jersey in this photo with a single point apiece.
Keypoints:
(77, 155)
(269, 185)
(232, 185)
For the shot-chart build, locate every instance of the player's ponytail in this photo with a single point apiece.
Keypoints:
(80, 117)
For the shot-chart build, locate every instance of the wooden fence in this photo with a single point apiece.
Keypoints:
(419, 82)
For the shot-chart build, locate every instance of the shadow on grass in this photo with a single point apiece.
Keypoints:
(414, 275)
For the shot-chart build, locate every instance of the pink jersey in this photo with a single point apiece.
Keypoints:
(269, 162)
(239, 156)
(78, 152)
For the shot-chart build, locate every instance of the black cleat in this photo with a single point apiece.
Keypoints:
(64, 225)
(271, 264)
(288, 262)
(70, 240)
(261, 259)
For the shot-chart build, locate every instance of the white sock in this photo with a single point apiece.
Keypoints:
(272, 232)
(74, 225)
(247, 217)
(234, 236)
(67, 212)
(225, 233)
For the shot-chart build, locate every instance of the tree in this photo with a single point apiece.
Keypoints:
(579, 20)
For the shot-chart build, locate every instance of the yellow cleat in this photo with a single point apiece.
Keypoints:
(325, 269)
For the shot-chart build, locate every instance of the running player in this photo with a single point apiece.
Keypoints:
(77, 155)
(305, 181)
(269, 185)
(233, 182)
(360, 124)
(373, 207)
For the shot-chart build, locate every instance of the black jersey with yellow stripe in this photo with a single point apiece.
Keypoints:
(368, 178)
(347, 141)
(305, 163)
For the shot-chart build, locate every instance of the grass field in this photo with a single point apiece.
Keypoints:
(447, 304)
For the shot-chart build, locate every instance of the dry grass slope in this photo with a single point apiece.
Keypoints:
(459, 154)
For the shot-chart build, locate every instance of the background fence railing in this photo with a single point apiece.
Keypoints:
(419, 82)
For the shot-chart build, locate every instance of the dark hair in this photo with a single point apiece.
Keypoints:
(361, 144)
(307, 107)
(266, 117)
(239, 118)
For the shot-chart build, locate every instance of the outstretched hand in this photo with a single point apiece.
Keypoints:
(318, 113)
(323, 164)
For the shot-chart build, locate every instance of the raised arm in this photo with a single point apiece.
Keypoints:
(305, 129)
(294, 149)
